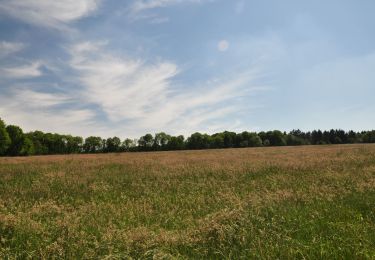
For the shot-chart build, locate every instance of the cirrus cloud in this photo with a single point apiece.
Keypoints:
(53, 14)
(138, 96)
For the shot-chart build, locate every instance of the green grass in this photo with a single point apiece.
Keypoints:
(268, 203)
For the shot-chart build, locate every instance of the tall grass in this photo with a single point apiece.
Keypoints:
(292, 202)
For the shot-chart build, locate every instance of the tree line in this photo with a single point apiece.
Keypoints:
(14, 142)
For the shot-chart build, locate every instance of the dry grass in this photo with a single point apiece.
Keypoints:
(287, 202)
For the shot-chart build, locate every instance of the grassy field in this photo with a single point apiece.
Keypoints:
(291, 202)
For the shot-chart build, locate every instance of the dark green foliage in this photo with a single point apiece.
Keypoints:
(4, 138)
(229, 139)
(27, 147)
(93, 144)
(161, 141)
(14, 142)
(295, 140)
(251, 139)
(73, 144)
(39, 140)
(176, 143)
(316, 137)
(145, 142)
(17, 140)
(113, 145)
(275, 138)
(369, 137)
(127, 145)
(199, 141)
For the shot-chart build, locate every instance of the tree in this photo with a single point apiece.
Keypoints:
(145, 142)
(246, 139)
(295, 140)
(229, 139)
(176, 143)
(4, 138)
(369, 137)
(198, 141)
(56, 144)
(93, 144)
(27, 147)
(161, 140)
(73, 144)
(113, 144)
(17, 140)
(217, 140)
(352, 137)
(127, 144)
(316, 137)
(276, 138)
(14, 142)
(297, 137)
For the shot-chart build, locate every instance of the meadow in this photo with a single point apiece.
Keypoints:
(308, 202)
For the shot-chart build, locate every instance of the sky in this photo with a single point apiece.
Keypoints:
(130, 67)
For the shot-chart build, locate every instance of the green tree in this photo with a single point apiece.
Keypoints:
(17, 140)
(246, 139)
(217, 140)
(127, 145)
(145, 142)
(4, 138)
(276, 138)
(93, 144)
(161, 140)
(113, 144)
(27, 147)
(195, 141)
(293, 139)
(316, 137)
(229, 139)
(39, 143)
(199, 141)
(73, 144)
(369, 137)
(177, 143)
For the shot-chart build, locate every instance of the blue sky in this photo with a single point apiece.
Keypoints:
(125, 68)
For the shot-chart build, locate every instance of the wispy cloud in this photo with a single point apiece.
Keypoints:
(124, 88)
(142, 5)
(138, 7)
(7, 48)
(114, 94)
(141, 96)
(134, 96)
(55, 14)
(33, 99)
(23, 71)
(35, 110)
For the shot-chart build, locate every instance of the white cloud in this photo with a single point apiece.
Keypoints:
(46, 13)
(34, 110)
(7, 48)
(142, 5)
(138, 9)
(143, 95)
(122, 87)
(23, 71)
(33, 99)
(124, 97)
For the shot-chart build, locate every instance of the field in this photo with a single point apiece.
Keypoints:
(290, 202)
